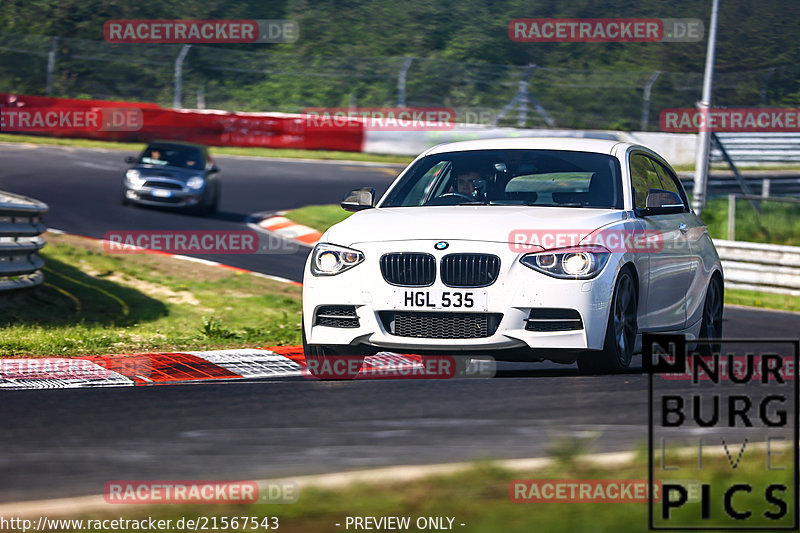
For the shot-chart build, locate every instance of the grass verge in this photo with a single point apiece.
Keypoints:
(479, 499)
(778, 224)
(765, 300)
(319, 217)
(723, 167)
(93, 302)
(216, 150)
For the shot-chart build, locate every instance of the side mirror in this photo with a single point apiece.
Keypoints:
(662, 202)
(214, 168)
(359, 199)
(130, 160)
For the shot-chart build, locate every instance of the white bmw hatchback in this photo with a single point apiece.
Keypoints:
(524, 249)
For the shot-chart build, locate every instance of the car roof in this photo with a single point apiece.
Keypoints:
(574, 144)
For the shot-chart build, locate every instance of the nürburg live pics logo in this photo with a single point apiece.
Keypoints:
(725, 416)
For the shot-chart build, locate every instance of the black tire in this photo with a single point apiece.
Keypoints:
(124, 199)
(214, 205)
(317, 356)
(621, 331)
(208, 205)
(711, 323)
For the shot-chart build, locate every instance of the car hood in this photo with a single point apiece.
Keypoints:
(167, 172)
(488, 223)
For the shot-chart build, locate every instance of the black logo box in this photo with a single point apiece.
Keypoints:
(678, 349)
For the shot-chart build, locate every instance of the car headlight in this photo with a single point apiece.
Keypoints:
(584, 262)
(195, 182)
(134, 178)
(329, 259)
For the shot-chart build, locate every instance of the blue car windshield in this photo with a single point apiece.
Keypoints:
(173, 156)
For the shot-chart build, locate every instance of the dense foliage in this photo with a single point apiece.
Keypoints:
(350, 52)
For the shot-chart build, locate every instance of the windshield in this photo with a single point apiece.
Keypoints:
(173, 156)
(511, 177)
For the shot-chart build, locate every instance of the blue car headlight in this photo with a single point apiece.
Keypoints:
(195, 182)
(330, 259)
(134, 179)
(582, 262)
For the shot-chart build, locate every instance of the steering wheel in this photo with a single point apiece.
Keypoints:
(450, 198)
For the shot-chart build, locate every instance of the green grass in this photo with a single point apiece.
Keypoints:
(94, 303)
(766, 300)
(723, 167)
(319, 217)
(216, 150)
(778, 224)
(478, 497)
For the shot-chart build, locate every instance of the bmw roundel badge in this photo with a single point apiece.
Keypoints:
(441, 245)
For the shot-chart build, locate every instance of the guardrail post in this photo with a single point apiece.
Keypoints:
(731, 217)
(178, 96)
(765, 183)
(648, 87)
(51, 65)
(401, 81)
(201, 98)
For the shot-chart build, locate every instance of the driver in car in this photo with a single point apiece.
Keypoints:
(465, 181)
(470, 182)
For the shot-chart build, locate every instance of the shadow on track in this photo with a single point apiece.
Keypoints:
(225, 216)
(567, 371)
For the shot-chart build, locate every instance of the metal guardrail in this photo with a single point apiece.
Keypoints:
(20, 240)
(759, 148)
(760, 267)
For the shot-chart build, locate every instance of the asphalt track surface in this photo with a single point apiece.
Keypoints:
(83, 188)
(69, 442)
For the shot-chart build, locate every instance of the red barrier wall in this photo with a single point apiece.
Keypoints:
(213, 128)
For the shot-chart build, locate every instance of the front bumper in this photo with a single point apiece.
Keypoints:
(517, 290)
(164, 197)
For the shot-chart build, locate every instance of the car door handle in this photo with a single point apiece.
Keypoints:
(683, 227)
